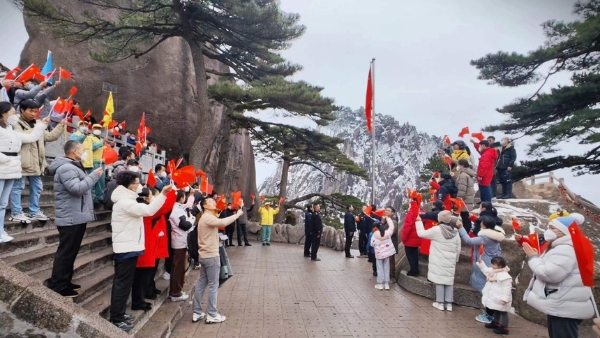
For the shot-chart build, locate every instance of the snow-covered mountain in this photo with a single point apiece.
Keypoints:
(401, 153)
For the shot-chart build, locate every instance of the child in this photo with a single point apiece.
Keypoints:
(381, 241)
(496, 295)
(371, 251)
(444, 253)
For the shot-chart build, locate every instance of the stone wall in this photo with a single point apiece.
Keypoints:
(294, 234)
(29, 309)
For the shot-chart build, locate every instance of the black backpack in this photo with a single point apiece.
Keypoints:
(108, 190)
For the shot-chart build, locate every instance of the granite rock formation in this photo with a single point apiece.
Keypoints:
(161, 83)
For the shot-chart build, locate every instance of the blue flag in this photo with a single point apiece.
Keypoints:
(48, 68)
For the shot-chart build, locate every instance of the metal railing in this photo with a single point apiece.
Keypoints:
(148, 160)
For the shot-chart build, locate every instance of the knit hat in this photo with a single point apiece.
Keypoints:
(81, 123)
(563, 223)
(97, 126)
(445, 217)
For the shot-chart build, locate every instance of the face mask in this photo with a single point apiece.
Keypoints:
(13, 120)
(549, 235)
(163, 175)
(134, 169)
(97, 132)
(83, 157)
(139, 189)
(82, 129)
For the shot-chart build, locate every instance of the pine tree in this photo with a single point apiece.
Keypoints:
(565, 113)
(434, 164)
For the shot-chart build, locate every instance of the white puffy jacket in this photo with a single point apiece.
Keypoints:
(128, 219)
(557, 269)
(178, 235)
(10, 142)
(497, 288)
(443, 254)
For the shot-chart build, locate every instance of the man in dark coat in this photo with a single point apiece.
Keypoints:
(349, 228)
(508, 156)
(363, 233)
(308, 229)
(317, 229)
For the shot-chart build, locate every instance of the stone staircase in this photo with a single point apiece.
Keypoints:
(32, 252)
(464, 294)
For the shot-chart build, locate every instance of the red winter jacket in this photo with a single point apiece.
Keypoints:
(409, 230)
(487, 164)
(156, 246)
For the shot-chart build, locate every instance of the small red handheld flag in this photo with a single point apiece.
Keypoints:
(463, 132)
(13, 73)
(380, 212)
(447, 139)
(252, 196)
(64, 74)
(73, 91)
(369, 103)
(368, 210)
(584, 252)
(478, 136)
(151, 182)
(200, 173)
(237, 199)
(281, 200)
(448, 161)
(109, 155)
(221, 203)
(262, 198)
(435, 185)
(515, 224)
(481, 250)
(473, 218)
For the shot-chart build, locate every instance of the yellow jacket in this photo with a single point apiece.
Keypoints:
(460, 155)
(97, 147)
(266, 216)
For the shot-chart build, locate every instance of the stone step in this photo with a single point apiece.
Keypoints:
(462, 274)
(85, 264)
(464, 295)
(47, 208)
(41, 259)
(14, 228)
(45, 196)
(27, 242)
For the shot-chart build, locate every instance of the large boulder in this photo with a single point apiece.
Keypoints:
(295, 233)
(279, 233)
(161, 83)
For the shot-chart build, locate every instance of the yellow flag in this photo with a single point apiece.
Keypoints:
(109, 110)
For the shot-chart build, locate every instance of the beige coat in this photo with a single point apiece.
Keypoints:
(33, 155)
(465, 181)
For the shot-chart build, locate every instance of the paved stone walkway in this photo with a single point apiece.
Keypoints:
(276, 292)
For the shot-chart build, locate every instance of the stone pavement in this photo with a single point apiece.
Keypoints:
(276, 292)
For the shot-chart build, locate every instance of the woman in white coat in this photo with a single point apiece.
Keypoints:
(10, 161)
(443, 255)
(556, 288)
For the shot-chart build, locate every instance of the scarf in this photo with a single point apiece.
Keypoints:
(491, 276)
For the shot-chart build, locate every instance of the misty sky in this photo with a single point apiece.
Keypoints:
(423, 49)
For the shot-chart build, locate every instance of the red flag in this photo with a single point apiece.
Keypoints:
(179, 161)
(203, 185)
(252, 196)
(481, 250)
(138, 148)
(237, 199)
(515, 224)
(473, 218)
(142, 130)
(39, 77)
(436, 174)
(478, 136)
(368, 210)
(463, 132)
(200, 173)
(262, 198)
(432, 191)
(435, 185)
(448, 161)
(171, 166)
(151, 179)
(122, 125)
(60, 106)
(447, 139)
(11, 75)
(183, 176)
(210, 189)
(87, 115)
(221, 203)
(584, 252)
(116, 132)
(64, 74)
(109, 155)
(380, 212)
(369, 103)
(73, 91)
(77, 112)
(28, 74)
(112, 124)
(281, 200)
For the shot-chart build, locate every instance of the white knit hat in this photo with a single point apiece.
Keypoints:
(563, 223)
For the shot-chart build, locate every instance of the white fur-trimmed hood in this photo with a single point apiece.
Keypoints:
(492, 234)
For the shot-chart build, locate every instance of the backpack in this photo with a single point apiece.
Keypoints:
(108, 190)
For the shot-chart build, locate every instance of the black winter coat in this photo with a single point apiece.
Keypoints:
(349, 222)
(489, 213)
(317, 223)
(308, 216)
(447, 187)
(507, 158)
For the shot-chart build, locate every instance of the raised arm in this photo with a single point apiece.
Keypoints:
(74, 185)
(468, 240)
(145, 210)
(221, 222)
(51, 136)
(429, 234)
(35, 135)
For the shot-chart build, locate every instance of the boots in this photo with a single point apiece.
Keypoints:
(507, 190)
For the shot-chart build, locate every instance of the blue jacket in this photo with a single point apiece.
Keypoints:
(370, 249)
(308, 226)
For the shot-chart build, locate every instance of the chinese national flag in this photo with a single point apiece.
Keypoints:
(29, 73)
(77, 112)
(478, 136)
(448, 161)
(515, 224)
(73, 91)
(368, 210)
(281, 199)
(88, 115)
(252, 196)
(200, 173)
(369, 103)
(64, 74)
(237, 199)
(11, 75)
(584, 253)
(210, 189)
(221, 203)
(142, 130)
(481, 250)
(204, 184)
(262, 198)
(184, 175)
(447, 140)
(380, 212)
(151, 179)
(171, 166)
(109, 155)
(60, 106)
(463, 132)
